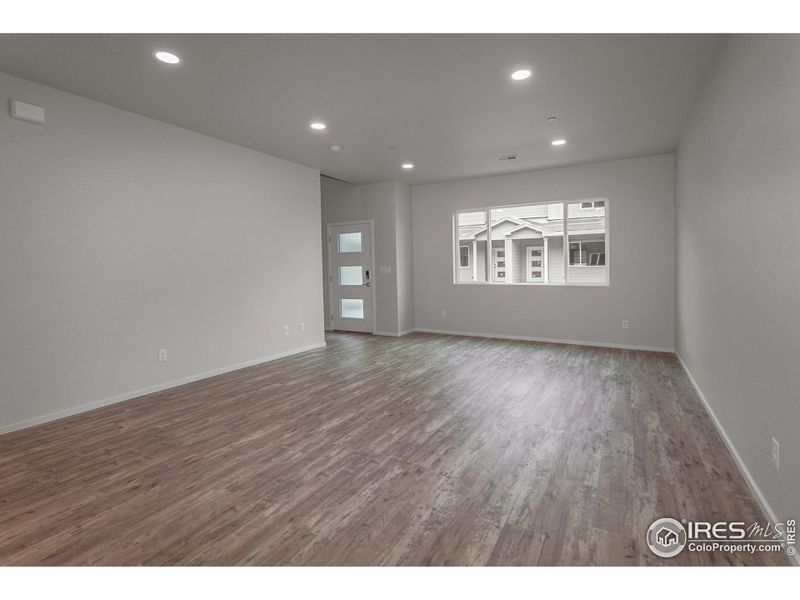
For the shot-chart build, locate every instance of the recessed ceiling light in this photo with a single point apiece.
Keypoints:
(317, 125)
(521, 74)
(559, 142)
(167, 57)
(552, 118)
(336, 148)
(408, 165)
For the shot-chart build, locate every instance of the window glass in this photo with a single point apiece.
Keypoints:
(352, 308)
(463, 257)
(350, 242)
(533, 243)
(586, 233)
(350, 276)
(527, 243)
(472, 244)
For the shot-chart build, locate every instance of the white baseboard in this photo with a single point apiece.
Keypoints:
(737, 459)
(526, 338)
(150, 390)
(395, 334)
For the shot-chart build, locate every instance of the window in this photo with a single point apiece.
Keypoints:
(586, 232)
(471, 234)
(350, 242)
(350, 276)
(463, 257)
(352, 308)
(538, 243)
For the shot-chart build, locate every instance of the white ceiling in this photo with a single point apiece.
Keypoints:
(445, 102)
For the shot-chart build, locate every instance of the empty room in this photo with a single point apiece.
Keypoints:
(399, 299)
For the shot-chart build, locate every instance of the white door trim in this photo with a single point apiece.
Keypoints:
(330, 271)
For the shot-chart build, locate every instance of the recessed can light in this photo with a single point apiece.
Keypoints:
(336, 148)
(552, 118)
(559, 142)
(317, 125)
(408, 165)
(167, 57)
(520, 75)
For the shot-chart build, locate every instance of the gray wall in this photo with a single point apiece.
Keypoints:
(738, 291)
(405, 258)
(388, 205)
(120, 235)
(642, 243)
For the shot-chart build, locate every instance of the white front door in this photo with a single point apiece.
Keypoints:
(351, 276)
(499, 262)
(535, 264)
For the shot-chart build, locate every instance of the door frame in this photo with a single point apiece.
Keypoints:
(374, 270)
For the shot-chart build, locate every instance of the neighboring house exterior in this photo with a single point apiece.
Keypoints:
(528, 244)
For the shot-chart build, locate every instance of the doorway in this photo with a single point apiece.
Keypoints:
(351, 276)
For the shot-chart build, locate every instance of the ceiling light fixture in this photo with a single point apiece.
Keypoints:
(167, 57)
(408, 165)
(317, 125)
(520, 75)
(336, 148)
(559, 142)
(551, 119)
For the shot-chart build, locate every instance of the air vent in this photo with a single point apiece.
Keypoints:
(508, 157)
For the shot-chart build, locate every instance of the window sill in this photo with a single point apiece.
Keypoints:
(532, 284)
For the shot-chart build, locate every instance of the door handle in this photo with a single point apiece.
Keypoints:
(368, 284)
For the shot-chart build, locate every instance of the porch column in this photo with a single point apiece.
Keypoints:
(509, 254)
(474, 260)
(546, 259)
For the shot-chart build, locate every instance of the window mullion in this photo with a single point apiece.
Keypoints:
(489, 257)
(565, 242)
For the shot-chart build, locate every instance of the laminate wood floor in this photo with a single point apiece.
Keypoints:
(421, 450)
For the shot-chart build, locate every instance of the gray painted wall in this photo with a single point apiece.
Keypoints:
(405, 257)
(642, 248)
(120, 235)
(738, 290)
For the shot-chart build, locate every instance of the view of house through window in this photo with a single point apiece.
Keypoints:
(525, 244)
(471, 247)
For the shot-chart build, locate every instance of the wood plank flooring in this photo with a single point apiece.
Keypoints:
(421, 450)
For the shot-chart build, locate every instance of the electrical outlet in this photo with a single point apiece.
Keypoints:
(776, 454)
(285, 330)
(162, 355)
(444, 314)
(625, 324)
(302, 326)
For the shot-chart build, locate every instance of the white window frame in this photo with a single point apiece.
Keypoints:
(565, 241)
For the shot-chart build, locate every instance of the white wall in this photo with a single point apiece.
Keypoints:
(738, 301)
(120, 235)
(405, 257)
(642, 242)
(388, 205)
